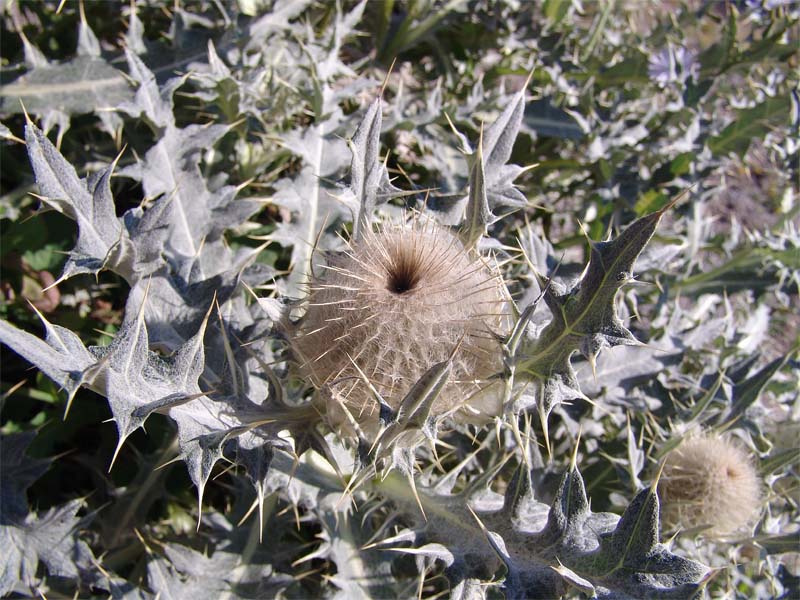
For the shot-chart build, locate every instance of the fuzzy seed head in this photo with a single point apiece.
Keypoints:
(710, 482)
(395, 303)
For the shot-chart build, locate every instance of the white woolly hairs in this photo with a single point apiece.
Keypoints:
(396, 302)
(710, 482)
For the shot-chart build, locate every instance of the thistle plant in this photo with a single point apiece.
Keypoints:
(335, 370)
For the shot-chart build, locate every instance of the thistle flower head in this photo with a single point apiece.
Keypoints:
(710, 482)
(395, 303)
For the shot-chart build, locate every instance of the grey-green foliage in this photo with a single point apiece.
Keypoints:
(193, 347)
(83, 84)
(29, 538)
(160, 243)
(89, 202)
(617, 557)
(312, 198)
(546, 549)
(66, 87)
(222, 417)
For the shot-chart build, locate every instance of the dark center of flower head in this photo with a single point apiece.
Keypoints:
(403, 274)
(400, 280)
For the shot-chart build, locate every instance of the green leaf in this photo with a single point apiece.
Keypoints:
(748, 269)
(19, 471)
(384, 18)
(772, 49)
(47, 258)
(42, 241)
(681, 163)
(694, 92)
(632, 69)
(752, 123)
(412, 29)
(650, 201)
(556, 10)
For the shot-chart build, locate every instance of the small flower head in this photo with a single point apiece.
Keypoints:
(395, 303)
(709, 482)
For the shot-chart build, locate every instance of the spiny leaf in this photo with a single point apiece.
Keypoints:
(622, 369)
(187, 573)
(416, 406)
(519, 493)
(568, 511)
(491, 180)
(17, 472)
(638, 530)
(137, 381)
(478, 216)
(365, 173)
(170, 169)
(501, 135)
(103, 242)
(630, 559)
(414, 410)
(61, 356)
(544, 548)
(746, 390)
(361, 573)
(82, 85)
(498, 143)
(369, 180)
(154, 103)
(50, 539)
(200, 454)
(279, 18)
(584, 318)
(58, 182)
(312, 208)
(191, 214)
(583, 585)
(88, 44)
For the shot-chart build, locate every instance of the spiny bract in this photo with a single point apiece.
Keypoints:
(709, 482)
(394, 303)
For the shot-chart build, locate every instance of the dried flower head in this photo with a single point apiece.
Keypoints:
(395, 303)
(709, 482)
